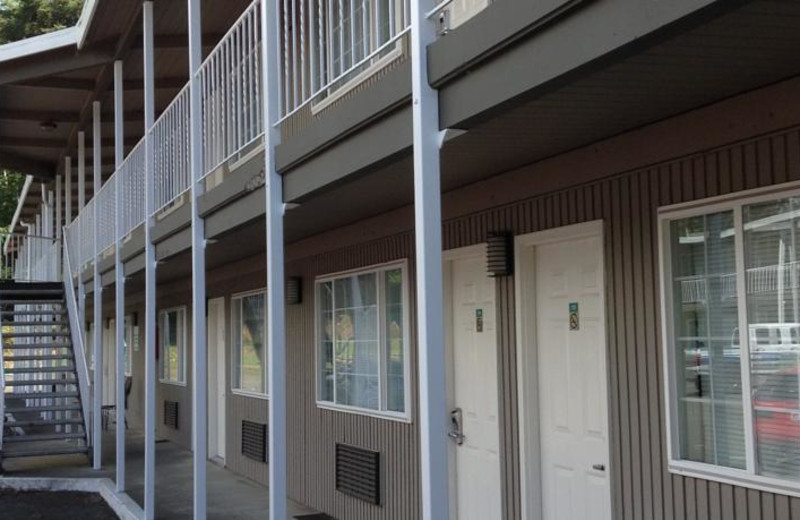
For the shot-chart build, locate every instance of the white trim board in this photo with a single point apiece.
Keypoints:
(527, 384)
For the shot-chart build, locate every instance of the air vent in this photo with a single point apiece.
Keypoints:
(171, 414)
(499, 254)
(254, 441)
(358, 473)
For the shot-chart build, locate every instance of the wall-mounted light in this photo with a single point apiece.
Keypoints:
(499, 254)
(47, 126)
(294, 290)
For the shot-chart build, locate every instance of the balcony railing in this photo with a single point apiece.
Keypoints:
(29, 258)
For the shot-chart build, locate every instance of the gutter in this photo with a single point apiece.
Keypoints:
(37, 44)
(85, 21)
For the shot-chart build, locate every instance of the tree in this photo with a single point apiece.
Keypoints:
(21, 19)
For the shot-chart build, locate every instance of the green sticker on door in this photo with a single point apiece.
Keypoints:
(574, 317)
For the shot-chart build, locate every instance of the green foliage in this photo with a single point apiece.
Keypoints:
(20, 19)
(10, 188)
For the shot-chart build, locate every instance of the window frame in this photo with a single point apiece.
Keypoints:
(406, 415)
(666, 214)
(161, 314)
(246, 393)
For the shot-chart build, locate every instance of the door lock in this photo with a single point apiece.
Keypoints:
(599, 467)
(456, 427)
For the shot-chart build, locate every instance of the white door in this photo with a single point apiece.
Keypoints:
(573, 406)
(216, 378)
(472, 346)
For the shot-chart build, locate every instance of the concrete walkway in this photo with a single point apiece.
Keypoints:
(229, 496)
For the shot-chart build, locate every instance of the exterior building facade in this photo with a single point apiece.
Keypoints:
(619, 183)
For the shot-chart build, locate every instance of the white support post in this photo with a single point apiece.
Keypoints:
(97, 385)
(276, 333)
(119, 285)
(200, 357)
(150, 270)
(430, 297)
(68, 190)
(81, 170)
(59, 218)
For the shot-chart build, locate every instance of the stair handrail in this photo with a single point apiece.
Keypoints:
(76, 334)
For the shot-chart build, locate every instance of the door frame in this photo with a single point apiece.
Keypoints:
(526, 333)
(220, 370)
(448, 257)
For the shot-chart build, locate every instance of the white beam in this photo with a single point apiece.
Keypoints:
(119, 285)
(150, 270)
(276, 334)
(97, 385)
(200, 357)
(430, 299)
(81, 170)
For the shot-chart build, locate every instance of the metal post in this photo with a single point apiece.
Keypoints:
(98, 294)
(68, 190)
(150, 271)
(430, 298)
(275, 258)
(119, 282)
(200, 357)
(81, 170)
(59, 218)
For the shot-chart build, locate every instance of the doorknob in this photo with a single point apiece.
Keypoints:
(456, 428)
(598, 467)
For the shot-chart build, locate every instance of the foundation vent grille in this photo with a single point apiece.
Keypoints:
(358, 473)
(171, 414)
(254, 441)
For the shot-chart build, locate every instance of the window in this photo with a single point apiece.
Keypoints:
(362, 341)
(249, 323)
(732, 313)
(173, 346)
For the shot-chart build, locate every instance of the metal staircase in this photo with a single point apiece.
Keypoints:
(43, 413)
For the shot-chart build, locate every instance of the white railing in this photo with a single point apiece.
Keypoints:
(132, 176)
(326, 43)
(78, 344)
(170, 138)
(106, 201)
(230, 79)
(29, 258)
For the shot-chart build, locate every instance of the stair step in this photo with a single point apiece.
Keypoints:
(43, 422)
(41, 382)
(37, 334)
(41, 370)
(35, 323)
(43, 437)
(28, 346)
(31, 292)
(44, 452)
(51, 408)
(41, 395)
(56, 357)
(54, 312)
(37, 301)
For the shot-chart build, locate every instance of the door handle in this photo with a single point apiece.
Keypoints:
(456, 432)
(598, 467)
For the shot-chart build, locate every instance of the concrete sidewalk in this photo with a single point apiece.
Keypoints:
(229, 496)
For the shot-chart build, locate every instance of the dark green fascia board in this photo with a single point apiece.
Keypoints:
(246, 178)
(488, 32)
(173, 222)
(382, 141)
(585, 39)
(390, 92)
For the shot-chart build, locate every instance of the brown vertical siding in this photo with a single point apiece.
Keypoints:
(626, 201)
